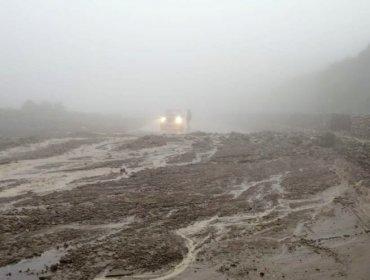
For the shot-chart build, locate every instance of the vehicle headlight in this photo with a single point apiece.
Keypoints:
(178, 120)
(163, 119)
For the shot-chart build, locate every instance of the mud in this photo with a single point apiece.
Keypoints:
(197, 206)
(144, 143)
(7, 143)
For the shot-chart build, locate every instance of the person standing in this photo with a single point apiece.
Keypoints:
(188, 119)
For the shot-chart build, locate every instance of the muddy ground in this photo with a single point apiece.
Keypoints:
(197, 206)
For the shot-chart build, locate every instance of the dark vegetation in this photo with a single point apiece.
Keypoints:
(344, 87)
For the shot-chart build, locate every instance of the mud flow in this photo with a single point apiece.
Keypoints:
(195, 206)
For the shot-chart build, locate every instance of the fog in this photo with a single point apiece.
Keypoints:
(138, 58)
(184, 139)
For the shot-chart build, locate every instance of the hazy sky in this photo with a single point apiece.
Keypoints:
(135, 55)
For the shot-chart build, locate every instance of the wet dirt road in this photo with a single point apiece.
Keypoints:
(197, 206)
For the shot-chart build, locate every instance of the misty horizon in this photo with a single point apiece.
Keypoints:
(139, 57)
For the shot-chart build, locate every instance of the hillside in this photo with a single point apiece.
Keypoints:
(344, 87)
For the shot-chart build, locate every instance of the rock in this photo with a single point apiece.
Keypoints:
(54, 267)
(45, 277)
(118, 273)
(65, 260)
(361, 126)
(123, 170)
(340, 122)
(327, 140)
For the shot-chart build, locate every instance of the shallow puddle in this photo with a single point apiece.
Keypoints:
(33, 268)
